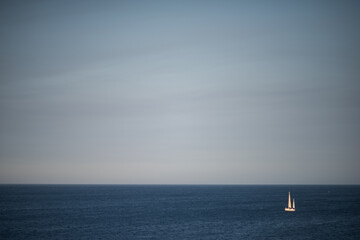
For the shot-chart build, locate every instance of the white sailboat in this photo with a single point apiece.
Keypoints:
(290, 208)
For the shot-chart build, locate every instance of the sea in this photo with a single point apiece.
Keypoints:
(178, 212)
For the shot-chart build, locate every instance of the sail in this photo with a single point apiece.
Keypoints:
(289, 202)
(293, 202)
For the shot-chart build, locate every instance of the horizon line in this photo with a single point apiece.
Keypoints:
(194, 184)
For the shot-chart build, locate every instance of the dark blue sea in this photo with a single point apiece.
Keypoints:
(178, 212)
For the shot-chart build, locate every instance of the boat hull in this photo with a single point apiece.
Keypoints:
(290, 209)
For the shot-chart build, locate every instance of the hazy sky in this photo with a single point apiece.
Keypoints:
(238, 92)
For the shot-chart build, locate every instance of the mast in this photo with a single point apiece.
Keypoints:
(289, 202)
(293, 202)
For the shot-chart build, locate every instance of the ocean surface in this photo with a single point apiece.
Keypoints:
(178, 212)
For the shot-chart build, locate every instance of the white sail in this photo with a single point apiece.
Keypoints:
(289, 202)
(289, 208)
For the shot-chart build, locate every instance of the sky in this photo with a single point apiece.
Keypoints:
(180, 92)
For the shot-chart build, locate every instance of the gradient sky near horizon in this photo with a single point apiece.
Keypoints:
(180, 92)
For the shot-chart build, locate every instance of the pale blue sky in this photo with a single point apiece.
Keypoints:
(238, 92)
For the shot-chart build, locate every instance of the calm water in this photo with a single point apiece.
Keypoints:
(178, 212)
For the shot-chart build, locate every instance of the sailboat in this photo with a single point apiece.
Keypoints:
(289, 208)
